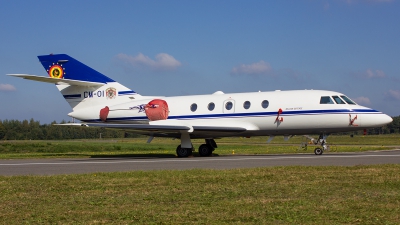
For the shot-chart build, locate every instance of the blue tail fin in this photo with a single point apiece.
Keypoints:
(64, 66)
(81, 86)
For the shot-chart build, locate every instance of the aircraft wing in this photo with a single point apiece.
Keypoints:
(163, 128)
(141, 127)
(219, 129)
(168, 130)
(57, 81)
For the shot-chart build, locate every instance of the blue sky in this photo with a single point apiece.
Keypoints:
(182, 47)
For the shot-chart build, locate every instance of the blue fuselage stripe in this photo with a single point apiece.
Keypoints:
(253, 114)
(126, 92)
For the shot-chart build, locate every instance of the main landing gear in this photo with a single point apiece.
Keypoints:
(207, 148)
(186, 151)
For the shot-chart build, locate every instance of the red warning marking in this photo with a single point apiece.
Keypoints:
(279, 113)
(352, 121)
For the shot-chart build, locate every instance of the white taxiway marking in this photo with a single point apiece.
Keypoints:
(196, 160)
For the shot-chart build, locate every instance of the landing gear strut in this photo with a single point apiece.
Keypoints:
(185, 149)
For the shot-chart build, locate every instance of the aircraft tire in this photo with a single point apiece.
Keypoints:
(205, 150)
(183, 152)
(318, 151)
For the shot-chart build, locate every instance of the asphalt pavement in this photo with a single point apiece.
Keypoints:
(132, 163)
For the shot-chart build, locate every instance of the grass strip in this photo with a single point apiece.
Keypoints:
(166, 147)
(277, 195)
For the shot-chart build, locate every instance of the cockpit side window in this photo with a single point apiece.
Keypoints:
(338, 100)
(346, 99)
(326, 100)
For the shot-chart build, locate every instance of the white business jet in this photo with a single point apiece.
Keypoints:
(99, 101)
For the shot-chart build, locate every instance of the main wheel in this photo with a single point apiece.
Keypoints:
(205, 150)
(318, 151)
(183, 152)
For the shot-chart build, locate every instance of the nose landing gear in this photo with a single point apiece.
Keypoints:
(322, 141)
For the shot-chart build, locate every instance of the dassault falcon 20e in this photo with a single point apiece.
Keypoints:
(99, 101)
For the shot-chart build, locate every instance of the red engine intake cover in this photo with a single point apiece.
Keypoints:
(157, 109)
(104, 113)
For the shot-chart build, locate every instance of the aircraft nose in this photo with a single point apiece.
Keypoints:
(388, 119)
(376, 120)
(384, 119)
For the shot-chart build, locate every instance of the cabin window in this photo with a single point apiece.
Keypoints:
(326, 100)
(211, 106)
(338, 100)
(193, 107)
(246, 105)
(265, 104)
(228, 105)
(346, 99)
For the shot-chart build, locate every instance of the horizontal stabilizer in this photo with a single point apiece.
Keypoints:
(58, 81)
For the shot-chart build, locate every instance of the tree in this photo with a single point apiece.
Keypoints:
(2, 130)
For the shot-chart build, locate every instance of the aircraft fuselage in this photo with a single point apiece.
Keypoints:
(260, 113)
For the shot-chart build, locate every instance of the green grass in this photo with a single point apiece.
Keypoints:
(166, 147)
(273, 195)
(278, 195)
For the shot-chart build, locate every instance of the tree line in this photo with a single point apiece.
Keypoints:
(33, 130)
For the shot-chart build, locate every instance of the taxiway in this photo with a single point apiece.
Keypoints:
(93, 165)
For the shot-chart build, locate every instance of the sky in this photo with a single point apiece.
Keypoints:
(170, 48)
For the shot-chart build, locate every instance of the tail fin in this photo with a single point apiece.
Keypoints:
(73, 77)
(64, 66)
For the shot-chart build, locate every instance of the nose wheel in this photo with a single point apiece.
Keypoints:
(318, 151)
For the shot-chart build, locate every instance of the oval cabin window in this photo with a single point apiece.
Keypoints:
(265, 104)
(211, 106)
(246, 105)
(193, 107)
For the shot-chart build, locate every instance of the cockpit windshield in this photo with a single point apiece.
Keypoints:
(343, 99)
(338, 100)
(346, 99)
(326, 100)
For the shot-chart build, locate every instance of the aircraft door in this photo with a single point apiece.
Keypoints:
(229, 106)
